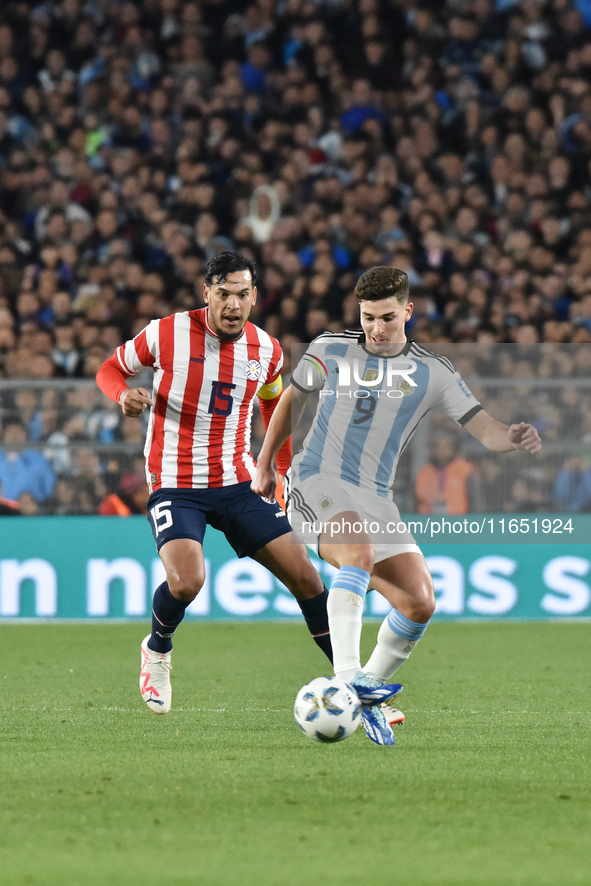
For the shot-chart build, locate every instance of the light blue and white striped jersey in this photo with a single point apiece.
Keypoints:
(370, 406)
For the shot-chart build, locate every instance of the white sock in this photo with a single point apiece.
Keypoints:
(392, 649)
(345, 613)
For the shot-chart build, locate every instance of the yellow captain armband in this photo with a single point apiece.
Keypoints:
(272, 390)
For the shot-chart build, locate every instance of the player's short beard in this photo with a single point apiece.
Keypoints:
(230, 336)
(225, 336)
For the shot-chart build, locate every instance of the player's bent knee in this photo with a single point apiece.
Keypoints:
(362, 558)
(184, 593)
(185, 587)
(423, 603)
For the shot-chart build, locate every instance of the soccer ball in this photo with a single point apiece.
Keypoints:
(327, 709)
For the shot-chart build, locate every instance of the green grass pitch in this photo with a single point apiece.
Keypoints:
(489, 782)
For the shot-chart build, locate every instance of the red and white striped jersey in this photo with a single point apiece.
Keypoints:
(199, 427)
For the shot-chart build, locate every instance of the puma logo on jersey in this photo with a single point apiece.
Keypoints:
(199, 359)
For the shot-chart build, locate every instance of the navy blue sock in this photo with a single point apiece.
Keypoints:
(316, 617)
(167, 614)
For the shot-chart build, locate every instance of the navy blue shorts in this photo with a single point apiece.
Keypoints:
(247, 521)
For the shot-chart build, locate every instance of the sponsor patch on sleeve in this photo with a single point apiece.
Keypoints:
(463, 387)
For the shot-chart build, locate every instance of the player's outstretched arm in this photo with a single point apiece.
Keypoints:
(499, 437)
(265, 479)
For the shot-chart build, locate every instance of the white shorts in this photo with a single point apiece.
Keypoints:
(313, 504)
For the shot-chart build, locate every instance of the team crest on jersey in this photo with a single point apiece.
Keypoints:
(253, 370)
(403, 385)
(324, 503)
(371, 375)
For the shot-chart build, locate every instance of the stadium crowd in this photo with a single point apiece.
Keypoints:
(319, 137)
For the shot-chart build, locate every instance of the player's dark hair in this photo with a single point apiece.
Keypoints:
(218, 267)
(382, 282)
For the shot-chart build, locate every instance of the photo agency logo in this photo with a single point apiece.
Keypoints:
(351, 377)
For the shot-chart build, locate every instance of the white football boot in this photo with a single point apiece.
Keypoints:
(155, 679)
(392, 715)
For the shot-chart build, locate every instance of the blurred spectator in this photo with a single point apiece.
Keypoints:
(572, 487)
(65, 353)
(527, 495)
(131, 498)
(63, 500)
(493, 488)
(448, 483)
(88, 473)
(22, 469)
(28, 505)
(8, 508)
(264, 213)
